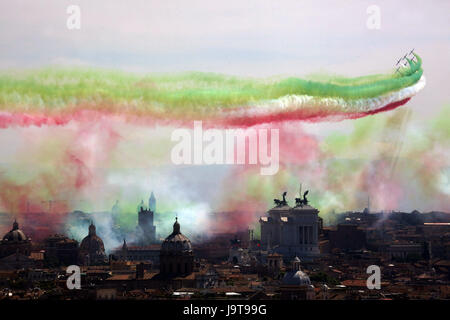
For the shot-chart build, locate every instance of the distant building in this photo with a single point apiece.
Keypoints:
(146, 229)
(296, 284)
(274, 263)
(176, 256)
(138, 253)
(406, 251)
(15, 241)
(17, 261)
(216, 246)
(239, 256)
(347, 237)
(430, 229)
(92, 250)
(291, 231)
(61, 250)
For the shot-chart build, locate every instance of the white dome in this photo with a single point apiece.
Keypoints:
(296, 278)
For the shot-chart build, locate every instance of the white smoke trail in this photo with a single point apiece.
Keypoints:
(297, 102)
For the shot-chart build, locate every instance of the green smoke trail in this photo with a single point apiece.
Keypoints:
(362, 87)
(56, 89)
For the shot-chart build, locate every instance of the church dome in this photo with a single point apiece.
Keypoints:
(92, 242)
(176, 241)
(15, 235)
(296, 276)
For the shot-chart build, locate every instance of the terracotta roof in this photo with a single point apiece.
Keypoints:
(355, 283)
(120, 277)
(149, 275)
(190, 276)
(37, 255)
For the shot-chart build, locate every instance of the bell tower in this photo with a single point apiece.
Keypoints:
(146, 228)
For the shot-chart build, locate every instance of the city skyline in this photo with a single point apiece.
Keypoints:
(239, 154)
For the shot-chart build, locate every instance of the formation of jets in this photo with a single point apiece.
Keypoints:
(402, 62)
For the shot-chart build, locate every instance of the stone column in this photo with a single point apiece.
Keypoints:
(303, 234)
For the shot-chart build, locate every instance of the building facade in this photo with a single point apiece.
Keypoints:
(146, 229)
(138, 253)
(347, 237)
(291, 232)
(61, 250)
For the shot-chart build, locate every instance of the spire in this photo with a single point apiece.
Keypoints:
(92, 229)
(124, 246)
(176, 227)
(152, 202)
(15, 225)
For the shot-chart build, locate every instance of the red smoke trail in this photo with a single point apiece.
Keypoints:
(309, 115)
(22, 119)
(75, 174)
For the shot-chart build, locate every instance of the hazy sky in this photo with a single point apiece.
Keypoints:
(251, 38)
(257, 38)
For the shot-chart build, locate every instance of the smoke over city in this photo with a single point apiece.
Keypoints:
(90, 166)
